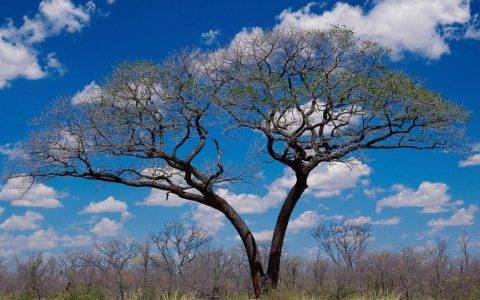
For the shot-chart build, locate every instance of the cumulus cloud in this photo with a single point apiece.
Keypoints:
(387, 222)
(330, 179)
(254, 204)
(422, 27)
(208, 219)
(364, 220)
(210, 36)
(108, 205)
(264, 235)
(162, 198)
(28, 221)
(260, 236)
(473, 160)
(431, 197)
(39, 240)
(54, 64)
(461, 217)
(90, 93)
(18, 45)
(22, 192)
(307, 219)
(106, 228)
(326, 180)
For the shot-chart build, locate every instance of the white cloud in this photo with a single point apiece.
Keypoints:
(431, 197)
(402, 25)
(2, 210)
(208, 219)
(29, 221)
(54, 64)
(90, 93)
(17, 61)
(264, 235)
(254, 204)
(358, 221)
(12, 151)
(110, 1)
(39, 240)
(108, 205)
(75, 240)
(326, 180)
(473, 160)
(64, 15)
(363, 220)
(18, 53)
(162, 198)
(210, 36)
(461, 217)
(22, 192)
(387, 222)
(307, 219)
(260, 236)
(106, 227)
(330, 179)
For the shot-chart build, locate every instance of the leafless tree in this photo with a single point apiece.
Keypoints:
(68, 265)
(36, 275)
(316, 96)
(381, 268)
(464, 259)
(145, 253)
(410, 272)
(441, 269)
(177, 246)
(116, 256)
(345, 243)
(425, 272)
(318, 268)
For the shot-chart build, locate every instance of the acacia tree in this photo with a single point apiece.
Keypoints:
(315, 96)
(323, 96)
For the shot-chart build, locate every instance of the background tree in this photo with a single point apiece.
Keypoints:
(113, 258)
(345, 244)
(36, 273)
(410, 273)
(177, 246)
(315, 96)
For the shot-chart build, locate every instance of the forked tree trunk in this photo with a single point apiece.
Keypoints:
(273, 270)
(261, 282)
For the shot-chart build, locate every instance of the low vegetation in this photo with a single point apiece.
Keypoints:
(182, 263)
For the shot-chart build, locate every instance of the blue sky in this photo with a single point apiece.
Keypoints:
(409, 197)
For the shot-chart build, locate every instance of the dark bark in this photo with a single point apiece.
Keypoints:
(283, 219)
(256, 269)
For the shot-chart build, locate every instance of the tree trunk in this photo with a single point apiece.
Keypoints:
(256, 269)
(262, 282)
(283, 219)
